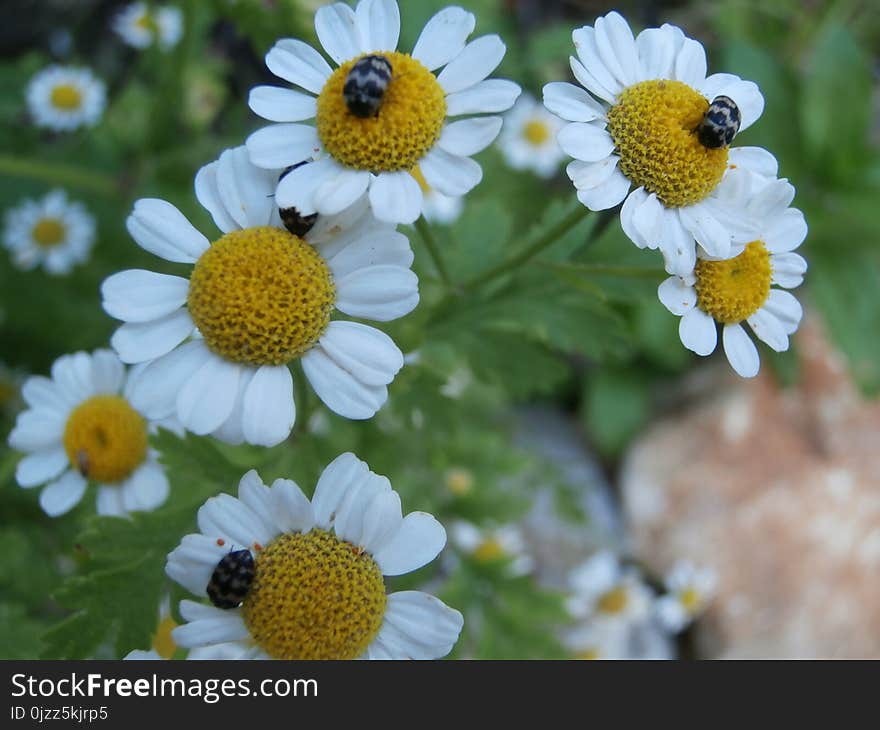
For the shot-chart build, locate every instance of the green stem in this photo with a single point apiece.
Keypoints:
(53, 173)
(433, 250)
(303, 410)
(605, 270)
(544, 241)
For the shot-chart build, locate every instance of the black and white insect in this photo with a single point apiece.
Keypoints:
(366, 84)
(720, 123)
(292, 219)
(231, 579)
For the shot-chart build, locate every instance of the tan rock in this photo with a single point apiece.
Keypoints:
(778, 491)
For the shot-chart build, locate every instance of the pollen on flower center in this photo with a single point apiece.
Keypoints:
(163, 643)
(536, 132)
(261, 296)
(653, 125)
(314, 596)
(733, 290)
(48, 232)
(405, 129)
(105, 438)
(613, 601)
(66, 97)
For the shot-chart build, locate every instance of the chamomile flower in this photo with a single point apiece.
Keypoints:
(219, 344)
(164, 647)
(604, 590)
(51, 232)
(437, 207)
(637, 128)
(528, 140)
(317, 589)
(80, 425)
(140, 26)
(64, 98)
(740, 290)
(690, 591)
(490, 544)
(597, 640)
(375, 153)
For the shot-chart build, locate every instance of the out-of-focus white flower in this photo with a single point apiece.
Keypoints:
(605, 590)
(140, 26)
(488, 544)
(690, 591)
(64, 98)
(528, 139)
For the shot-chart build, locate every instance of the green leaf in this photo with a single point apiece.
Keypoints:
(616, 406)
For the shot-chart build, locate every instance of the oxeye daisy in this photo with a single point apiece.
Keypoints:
(80, 425)
(528, 140)
(381, 112)
(491, 544)
(140, 26)
(219, 344)
(314, 587)
(740, 290)
(655, 123)
(690, 591)
(604, 590)
(51, 232)
(64, 98)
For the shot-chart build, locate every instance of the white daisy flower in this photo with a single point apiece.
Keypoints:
(690, 591)
(598, 640)
(637, 128)
(739, 289)
(489, 544)
(140, 26)
(51, 232)
(528, 140)
(376, 154)
(437, 207)
(220, 343)
(64, 98)
(317, 590)
(604, 590)
(81, 425)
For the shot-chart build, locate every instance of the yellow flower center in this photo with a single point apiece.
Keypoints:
(48, 232)
(66, 97)
(405, 129)
(489, 550)
(314, 596)
(163, 644)
(653, 125)
(733, 290)
(690, 599)
(613, 601)
(105, 438)
(148, 23)
(536, 132)
(459, 481)
(261, 296)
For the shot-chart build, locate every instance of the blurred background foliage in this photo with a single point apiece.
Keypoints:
(580, 326)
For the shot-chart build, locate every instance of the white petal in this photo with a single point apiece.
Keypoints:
(591, 61)
(40, 467)
(226, 517)
(487, 97)
(740, 351)
(589, 82)
(469, 136)
(161, 229)
(381, 293)
(335, 26)
(420, 626)
(571, 102)
(282, 145)
(786, 232)
(677, 296)
(73, 375)
(349, 523)
(339, 389)
(745, 94)
(754, 159)
(641, 218)
(418, 541)
(146, 489)
(208, 195)
(772, 199)
(298, 63)
(396, 197)
(380, 247)
(378, 24)
(63, 495)
(697, 332)
(336, 479)
(269, 410)
(108, 372)
(257, 497)
(37, 430)
(364, 351)
(140, 296)
(786, 308)
(292, 510)
(479, 58)
(207, 398)
(297, 188)
(246, 191)
(586, 175)
(450, 174)
(587, 142)
(443, 37)
(657, 52)
(232, 429)
(40, 392)
(677, 244)
(607, 194)
(617, 47)
(281, 105)
(690, 66)
(226, 626)
(382, 519)
(769, 329)
(142, 341)
(342, 191)
(788, 269)
(193, 561)
(706, 230)
(154, 391)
